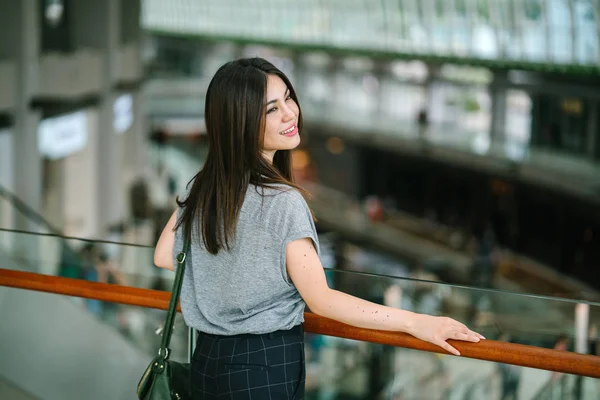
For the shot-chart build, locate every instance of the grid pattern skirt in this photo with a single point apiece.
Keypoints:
(259, 367)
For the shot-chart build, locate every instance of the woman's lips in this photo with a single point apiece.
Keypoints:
(291, 133)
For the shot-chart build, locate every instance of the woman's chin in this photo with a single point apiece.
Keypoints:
(294, 142)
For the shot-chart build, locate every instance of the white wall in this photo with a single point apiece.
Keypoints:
(80, 197)
(134, 143)
(71, 196)
(6, 176)
(70, 75)
(130, 67)
(6, 162)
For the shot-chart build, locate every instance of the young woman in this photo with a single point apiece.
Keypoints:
(253, 262)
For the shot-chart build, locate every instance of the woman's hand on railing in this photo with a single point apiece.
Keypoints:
(438, 330)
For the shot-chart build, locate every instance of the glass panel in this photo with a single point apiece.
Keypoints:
(346, 369)
(559, 15)
(13, 209)
(564, 386)
(335, 366)
(71, 348)
(96, 261)
(116, 342)
(534, 320)
(535, 30)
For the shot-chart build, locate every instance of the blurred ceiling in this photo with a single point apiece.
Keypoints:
(534, 34)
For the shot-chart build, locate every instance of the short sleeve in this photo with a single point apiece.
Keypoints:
(294, 221)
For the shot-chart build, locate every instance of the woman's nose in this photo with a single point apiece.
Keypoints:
(288, 113)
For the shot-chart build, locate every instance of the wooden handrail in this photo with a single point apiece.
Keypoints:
(489, 350)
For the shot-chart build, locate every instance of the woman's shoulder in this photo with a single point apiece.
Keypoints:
(278, 192)
(276, 196)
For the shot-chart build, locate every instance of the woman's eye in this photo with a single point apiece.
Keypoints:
(271, 110)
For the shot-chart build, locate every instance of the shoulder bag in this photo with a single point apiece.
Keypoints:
(165, 379)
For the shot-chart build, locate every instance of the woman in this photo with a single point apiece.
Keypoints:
(254, 257)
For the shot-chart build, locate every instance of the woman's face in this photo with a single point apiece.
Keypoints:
(281, 119)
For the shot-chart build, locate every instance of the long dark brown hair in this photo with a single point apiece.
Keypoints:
(235, 120)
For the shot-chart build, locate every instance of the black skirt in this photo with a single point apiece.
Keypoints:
(269, 366)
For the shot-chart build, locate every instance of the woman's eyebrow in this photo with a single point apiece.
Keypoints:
(275, 101)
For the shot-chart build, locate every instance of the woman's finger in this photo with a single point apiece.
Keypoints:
(446, 346)
(464, 336)
(480, 336)
(463, 328)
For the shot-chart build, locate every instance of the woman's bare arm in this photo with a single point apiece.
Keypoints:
(306, 271)
(163, 253)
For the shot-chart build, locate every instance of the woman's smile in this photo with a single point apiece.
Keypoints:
(290, 132)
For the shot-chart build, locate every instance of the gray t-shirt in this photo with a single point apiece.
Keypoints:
(247, 289)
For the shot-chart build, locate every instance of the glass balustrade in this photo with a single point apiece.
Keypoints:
(347, 369)
(336, 368)
(96, 261)
(61, 347)
(71, 348)
(503, 315)
(511, 317)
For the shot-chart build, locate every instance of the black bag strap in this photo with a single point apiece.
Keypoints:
(172, 312)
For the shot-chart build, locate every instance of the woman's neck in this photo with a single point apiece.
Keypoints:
(269, 155)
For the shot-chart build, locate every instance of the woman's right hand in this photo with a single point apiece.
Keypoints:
(438, 330)
(307, 274)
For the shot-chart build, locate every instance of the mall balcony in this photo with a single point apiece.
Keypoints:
(430, 127)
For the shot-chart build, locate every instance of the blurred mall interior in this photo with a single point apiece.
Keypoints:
(451, 148)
